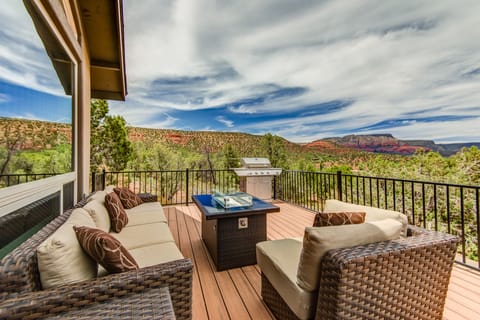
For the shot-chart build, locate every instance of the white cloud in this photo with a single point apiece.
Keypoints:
(226, 122)
(4, 98)
(390, 59)
(23, 60)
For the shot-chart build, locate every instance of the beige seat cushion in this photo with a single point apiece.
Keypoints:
(372, 214)
(99, 213)
(156, 254)
(144, 235)
(148, 212)
(151, 255)
(318, 241)
(61, 259)
(278, 261)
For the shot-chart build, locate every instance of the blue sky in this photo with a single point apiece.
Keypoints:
(299, 69)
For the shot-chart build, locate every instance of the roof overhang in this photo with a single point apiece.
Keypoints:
(103, 33)
(103, 26)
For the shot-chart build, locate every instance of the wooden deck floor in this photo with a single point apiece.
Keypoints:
(235, 293)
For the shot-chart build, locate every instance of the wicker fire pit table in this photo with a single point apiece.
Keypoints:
(231, 234)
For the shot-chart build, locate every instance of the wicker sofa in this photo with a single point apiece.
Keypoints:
(402, 278)
(23, 296)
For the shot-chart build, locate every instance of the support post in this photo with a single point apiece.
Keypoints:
(186, 185)
(274, 187)
(94, 186)
(339, 185)
(103, 179)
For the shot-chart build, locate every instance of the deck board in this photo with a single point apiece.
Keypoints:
(236, 293)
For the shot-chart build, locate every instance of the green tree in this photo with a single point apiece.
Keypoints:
(273, 147)
(11, 141)
(467, 165)
(230, 157)
(110, 147)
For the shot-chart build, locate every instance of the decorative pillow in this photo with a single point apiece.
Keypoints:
(60, 257)
(318, 241)
(129, 198)
(373, 214)
(118, 216)
(97, 210)
(105, 249)
(325, 219)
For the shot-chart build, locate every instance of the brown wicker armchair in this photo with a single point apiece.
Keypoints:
(22, 297)
(399, 279)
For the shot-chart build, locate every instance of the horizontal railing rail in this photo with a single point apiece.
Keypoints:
(7, 180)
(171, 186)
(451, 208)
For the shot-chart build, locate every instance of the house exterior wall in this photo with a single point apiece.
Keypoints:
(59, 24)
(63, 18)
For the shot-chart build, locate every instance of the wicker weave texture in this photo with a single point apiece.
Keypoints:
(19, 269)
(400, 279)
(176, 275)
(275, 302)
(152, 303)
(20, 282)
(148, 197)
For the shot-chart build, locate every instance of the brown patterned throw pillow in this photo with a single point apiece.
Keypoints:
(116, 212)
(325, 219)
(105, 249)
(129, 198)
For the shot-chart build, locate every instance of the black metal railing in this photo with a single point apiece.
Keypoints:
(443, 207)
(7, 180)
(173, 186)
(450, 208)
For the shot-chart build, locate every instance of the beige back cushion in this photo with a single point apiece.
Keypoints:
(319, 240)
(109, 189)
(99, 214)
(372, 214)
(61, 259)
(98, 196)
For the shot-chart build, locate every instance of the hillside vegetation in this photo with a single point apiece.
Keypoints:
(37, 146)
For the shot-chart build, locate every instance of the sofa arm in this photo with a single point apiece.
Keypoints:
(151, 303)
(148, 197)
(177, 275)
(404, 278)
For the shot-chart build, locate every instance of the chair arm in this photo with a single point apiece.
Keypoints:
(148, 197)
(404, 278)
(177, 275)
(415, 231)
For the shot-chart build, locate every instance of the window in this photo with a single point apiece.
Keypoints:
(36, 120)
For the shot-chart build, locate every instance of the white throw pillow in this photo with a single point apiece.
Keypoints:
(61, 259)
(98, 196)
(317, 241)
(99, 214)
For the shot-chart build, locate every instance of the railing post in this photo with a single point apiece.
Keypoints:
(339, 185)
(93, 181)
(103, 179)
(186, 185)
(274, 187)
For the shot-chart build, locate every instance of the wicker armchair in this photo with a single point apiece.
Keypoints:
(22, 296)
(399, 279)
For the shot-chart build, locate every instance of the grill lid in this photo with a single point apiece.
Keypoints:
(255, 163)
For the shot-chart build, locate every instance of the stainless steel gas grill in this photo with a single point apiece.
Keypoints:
(256, 177)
